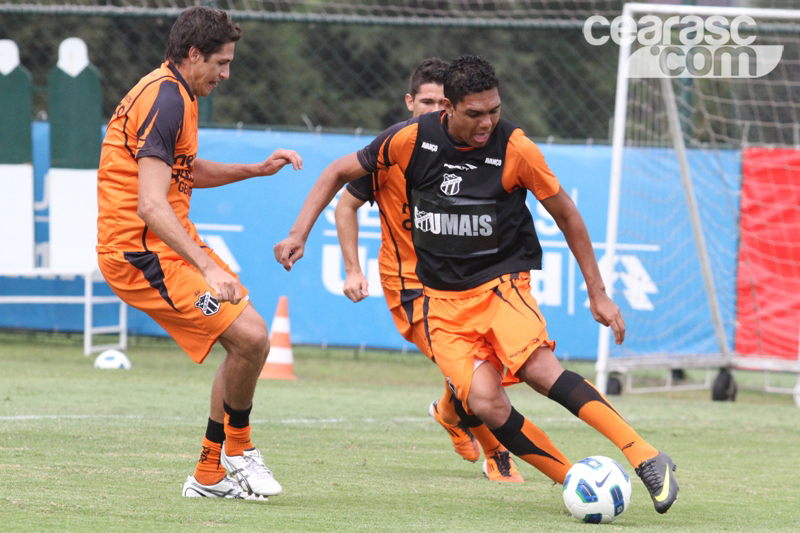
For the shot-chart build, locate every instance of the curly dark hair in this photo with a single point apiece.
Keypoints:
(429, 71)
(468, 74)
(205, 28)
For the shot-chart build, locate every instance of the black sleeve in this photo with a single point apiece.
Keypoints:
(362, 189)
(370, 156)
(159, 132)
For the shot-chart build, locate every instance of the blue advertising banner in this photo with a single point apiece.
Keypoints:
(243, 221)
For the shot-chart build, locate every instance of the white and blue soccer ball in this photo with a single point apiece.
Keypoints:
(110, 359)
(597, 490)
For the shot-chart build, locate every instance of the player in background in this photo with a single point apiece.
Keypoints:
(476, 243)
(401, 287)
(152, 257)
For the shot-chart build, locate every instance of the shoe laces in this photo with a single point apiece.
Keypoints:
(503, 461)
(650, 476)
(256, 463)
(229, 484)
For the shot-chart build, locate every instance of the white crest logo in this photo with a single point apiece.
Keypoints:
(451, 184)
(207, 304)
(422, 220)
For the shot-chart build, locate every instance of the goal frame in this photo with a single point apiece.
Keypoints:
(726, 358)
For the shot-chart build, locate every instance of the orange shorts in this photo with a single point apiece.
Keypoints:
(174, 294)
(498, 322)
(406, 308)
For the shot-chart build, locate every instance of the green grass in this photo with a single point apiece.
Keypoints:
(108, 450)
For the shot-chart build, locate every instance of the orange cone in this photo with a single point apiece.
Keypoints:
(280, 361)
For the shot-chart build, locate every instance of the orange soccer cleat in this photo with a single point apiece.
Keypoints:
(500, 467)
(463, 441)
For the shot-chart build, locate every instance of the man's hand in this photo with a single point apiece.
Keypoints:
(278, 160)
(356, 287)
(605, 311)
(225, 286)
(289, 250)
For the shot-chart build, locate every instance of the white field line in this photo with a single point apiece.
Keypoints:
(287, 421)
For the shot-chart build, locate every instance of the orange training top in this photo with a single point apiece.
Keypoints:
(397, 260)
(157, 118)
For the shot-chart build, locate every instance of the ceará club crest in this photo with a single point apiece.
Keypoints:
(451, 184)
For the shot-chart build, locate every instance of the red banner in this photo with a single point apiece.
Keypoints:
(768, 279)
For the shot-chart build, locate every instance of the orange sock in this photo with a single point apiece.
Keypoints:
(487, 440)
(446, 409)
(529, 443)
(237, 430)
(208, 470)
(583, 400)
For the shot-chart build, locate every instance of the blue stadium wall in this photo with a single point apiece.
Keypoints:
(243, 221)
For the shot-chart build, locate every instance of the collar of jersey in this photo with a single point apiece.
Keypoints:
(462, 147)
(177, 74)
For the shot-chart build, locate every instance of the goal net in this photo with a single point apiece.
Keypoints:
(704, 215)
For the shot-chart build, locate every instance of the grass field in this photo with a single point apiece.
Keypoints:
(350, 441)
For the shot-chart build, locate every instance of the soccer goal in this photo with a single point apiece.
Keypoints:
(703, 236)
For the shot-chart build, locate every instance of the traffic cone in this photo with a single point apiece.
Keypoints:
(280, 361)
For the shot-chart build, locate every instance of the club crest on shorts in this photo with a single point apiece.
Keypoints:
(207, 304)
(451, 184)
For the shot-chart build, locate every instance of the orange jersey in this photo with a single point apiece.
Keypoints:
(397, 260)
(157, 118)
(494, 233)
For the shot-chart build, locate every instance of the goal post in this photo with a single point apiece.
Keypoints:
(703, 135)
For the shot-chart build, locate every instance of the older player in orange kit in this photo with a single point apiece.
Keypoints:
(152, 257)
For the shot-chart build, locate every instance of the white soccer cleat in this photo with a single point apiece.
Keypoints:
(251, 473)
(226, 488)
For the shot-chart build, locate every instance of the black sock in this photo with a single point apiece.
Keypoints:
(215, 431)
(573, 392)
(511, 436)
(238, 419)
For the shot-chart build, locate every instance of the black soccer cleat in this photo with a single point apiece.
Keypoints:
(657, 475)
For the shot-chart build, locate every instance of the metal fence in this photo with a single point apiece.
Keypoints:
(323, 74)
(343, 65)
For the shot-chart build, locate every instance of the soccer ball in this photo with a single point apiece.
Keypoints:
(597, 490)
(112, 359)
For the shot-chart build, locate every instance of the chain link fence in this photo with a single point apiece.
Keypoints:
(344, 66)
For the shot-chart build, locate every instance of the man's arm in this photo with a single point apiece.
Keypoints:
(212, 174)
(570, 221)
(346, 214)
(154, 209)
(341, 171)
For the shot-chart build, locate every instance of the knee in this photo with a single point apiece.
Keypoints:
(254, 344)
(492, 409)
(484, 407)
